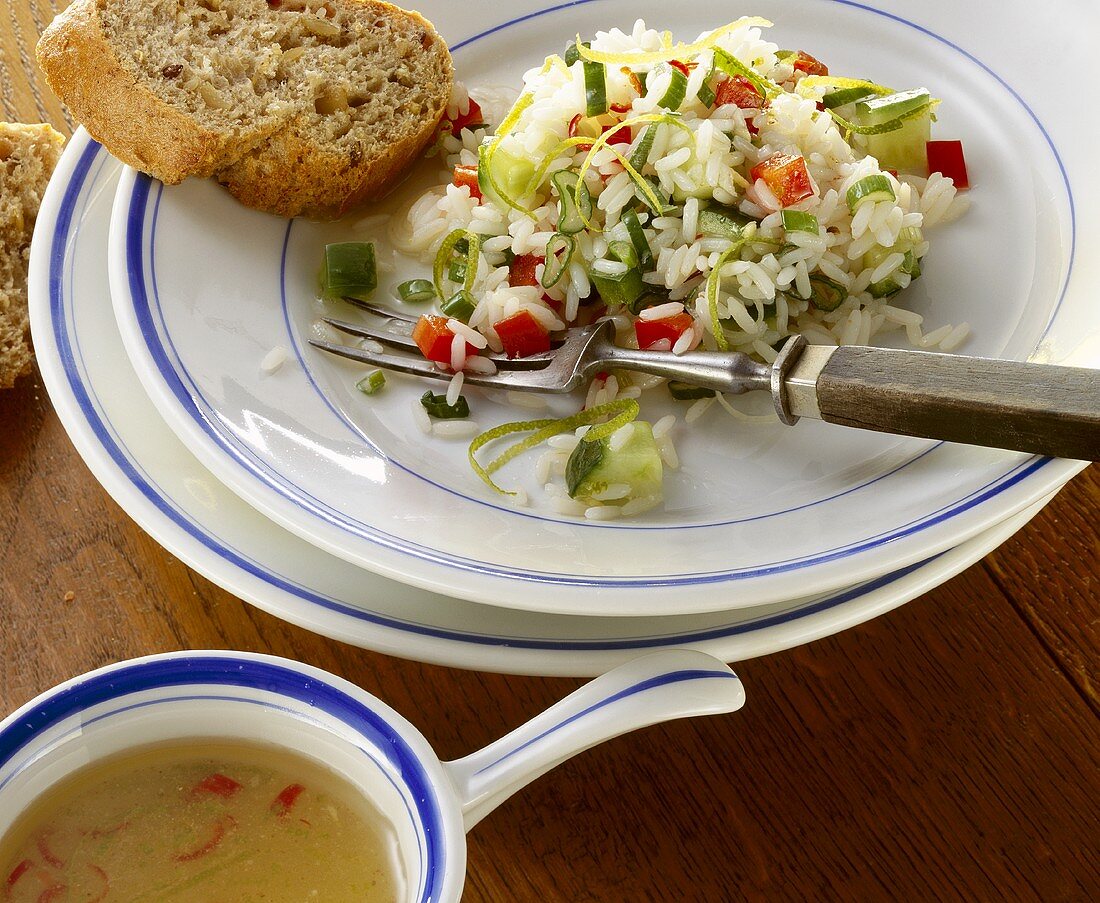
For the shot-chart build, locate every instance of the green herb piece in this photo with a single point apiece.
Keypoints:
(437, 407)
(348, 270)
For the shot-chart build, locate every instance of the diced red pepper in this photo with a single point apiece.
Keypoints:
(739, 91)
(216, 784)
(467, 175)
(522, 335)
(803, 62)
(217, 835)
(620, 108)
(946, 158)
(683, 67)
(786, 176)
(473, 116)
(433, 338)
(284, 802)
(650, 332)
(521, 271)
(620, 136)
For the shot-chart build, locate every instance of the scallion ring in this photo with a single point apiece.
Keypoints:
(559, 252)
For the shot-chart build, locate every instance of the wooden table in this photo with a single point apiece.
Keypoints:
(948, 750)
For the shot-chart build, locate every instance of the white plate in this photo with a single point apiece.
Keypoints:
(164, 488)
(204, 288)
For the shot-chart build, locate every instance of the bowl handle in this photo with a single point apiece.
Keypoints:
(645, 691)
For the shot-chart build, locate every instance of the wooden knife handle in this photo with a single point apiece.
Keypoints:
(1034, 408)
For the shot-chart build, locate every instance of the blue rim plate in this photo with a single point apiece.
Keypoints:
(167, 491)
(757, 515)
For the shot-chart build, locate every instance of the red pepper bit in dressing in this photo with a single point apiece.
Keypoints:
(47, 854)
(216, 784)
(284, 802)
(105, 884)
(221, 827)
(16, 873)
(53, 892)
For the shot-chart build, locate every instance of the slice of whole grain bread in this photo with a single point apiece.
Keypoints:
(28, 155)
(297, 105)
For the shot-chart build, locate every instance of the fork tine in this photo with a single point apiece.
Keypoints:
(383, 335)
(387, 312)
(405, 342)
(406, 364)
(529, 380)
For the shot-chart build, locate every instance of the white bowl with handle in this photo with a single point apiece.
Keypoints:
(431, 804)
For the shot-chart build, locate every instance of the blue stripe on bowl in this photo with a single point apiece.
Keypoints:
(382, 740)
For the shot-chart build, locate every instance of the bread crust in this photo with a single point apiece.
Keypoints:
(284, 170)
(35, 149)
(124, 115)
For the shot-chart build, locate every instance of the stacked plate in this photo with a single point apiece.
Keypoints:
(152, 308)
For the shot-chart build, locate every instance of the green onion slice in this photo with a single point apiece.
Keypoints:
(595, 89)
(706, 94)
(460, 305)
(731, 65)
(825, 294)
(559, 252)
(676, 93)
(723, 223)
(621, 411)
(572, 52)
(868, 190)
(437, 407)
(348, 270)
(456, 272)
(623, 251)
(687, 392)
(714, 281)
(638, 239)
(574, 202)
(416, 290)
(372, 382)
(640, 155)
(800, 221)
(670, 51)
(621, 288)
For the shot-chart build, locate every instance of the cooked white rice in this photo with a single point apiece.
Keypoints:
(766, 286)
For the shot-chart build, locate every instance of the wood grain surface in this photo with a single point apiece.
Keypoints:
(949, 750)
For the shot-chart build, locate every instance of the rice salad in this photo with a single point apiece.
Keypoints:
(722, 194)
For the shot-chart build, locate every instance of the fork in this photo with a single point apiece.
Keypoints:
(1036, 408)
